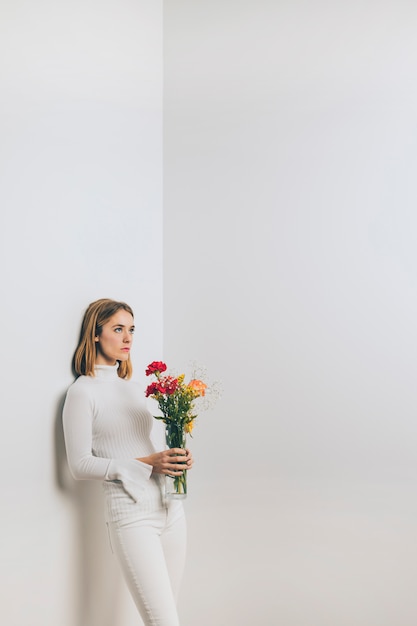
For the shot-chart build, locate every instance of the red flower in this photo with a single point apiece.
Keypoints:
(154, 388)
(154, 367)
(170, 385)
(165, 386)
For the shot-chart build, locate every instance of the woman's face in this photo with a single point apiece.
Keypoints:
(115, 339)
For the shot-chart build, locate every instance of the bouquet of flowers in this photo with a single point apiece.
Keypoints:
(175, 399)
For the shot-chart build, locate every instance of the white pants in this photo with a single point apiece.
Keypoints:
(151, 552)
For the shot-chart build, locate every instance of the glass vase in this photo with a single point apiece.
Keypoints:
(175, 486)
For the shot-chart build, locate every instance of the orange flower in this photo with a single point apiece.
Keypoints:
(198, 387)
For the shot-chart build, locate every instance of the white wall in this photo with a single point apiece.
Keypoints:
(290, 273)
(81, 218)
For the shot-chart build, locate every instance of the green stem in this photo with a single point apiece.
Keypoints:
(176, 438)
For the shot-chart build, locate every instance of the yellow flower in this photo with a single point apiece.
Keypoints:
(189, 427)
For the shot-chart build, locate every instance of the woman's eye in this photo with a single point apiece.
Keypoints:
(117, 330)
(132, 330)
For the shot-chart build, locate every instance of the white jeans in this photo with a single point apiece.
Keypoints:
(151, 552)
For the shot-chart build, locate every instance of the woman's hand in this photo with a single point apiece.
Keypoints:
(172, 461)
(189, 459)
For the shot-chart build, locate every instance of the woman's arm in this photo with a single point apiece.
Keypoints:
(77, 424)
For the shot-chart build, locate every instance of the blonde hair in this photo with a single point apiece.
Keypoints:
(97, 314)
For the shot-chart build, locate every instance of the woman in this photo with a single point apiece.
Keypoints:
(107, 435)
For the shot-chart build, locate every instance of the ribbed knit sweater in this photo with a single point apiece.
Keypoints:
(106, 428)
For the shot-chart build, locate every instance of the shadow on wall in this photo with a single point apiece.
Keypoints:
(98, 581)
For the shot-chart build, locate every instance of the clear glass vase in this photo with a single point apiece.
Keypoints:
(175, 486)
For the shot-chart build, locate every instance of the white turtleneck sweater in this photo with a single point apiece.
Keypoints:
(107, 427)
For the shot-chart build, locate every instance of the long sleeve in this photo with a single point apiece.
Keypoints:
(84, 464)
